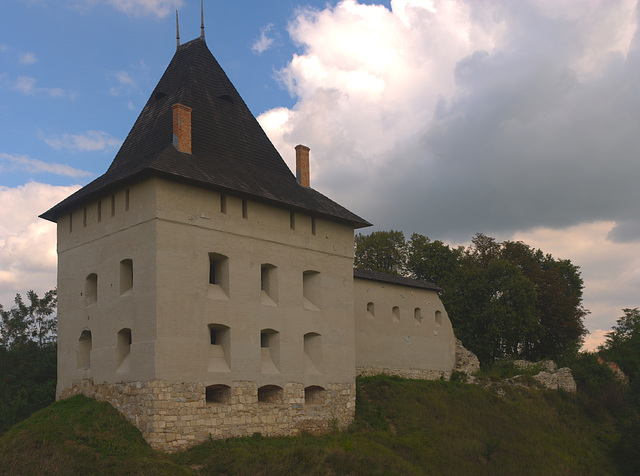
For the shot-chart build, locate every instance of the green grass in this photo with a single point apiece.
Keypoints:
(402, 427)
(79, 436)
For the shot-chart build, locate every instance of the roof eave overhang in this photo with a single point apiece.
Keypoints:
(62, 208)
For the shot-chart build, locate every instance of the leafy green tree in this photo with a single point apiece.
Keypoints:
(492, 308)
(558, 286)
(433, 261)
(27, 357)
(622, 345)
(383, 251)
(560, 307)
(35, 321)
(503, 299)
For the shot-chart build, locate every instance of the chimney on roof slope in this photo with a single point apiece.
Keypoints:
(302, 165)
(182, 128)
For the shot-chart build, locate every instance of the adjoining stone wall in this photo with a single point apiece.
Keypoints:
(174, 416)
(417, 374)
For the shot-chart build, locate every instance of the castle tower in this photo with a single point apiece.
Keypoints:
(202, 289)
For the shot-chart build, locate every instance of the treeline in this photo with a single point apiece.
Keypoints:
(504, 299)
(28, 334)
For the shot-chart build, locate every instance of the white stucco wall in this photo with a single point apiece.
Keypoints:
(388, 340)
(168, 231)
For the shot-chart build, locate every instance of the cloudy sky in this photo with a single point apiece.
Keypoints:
(520, 120)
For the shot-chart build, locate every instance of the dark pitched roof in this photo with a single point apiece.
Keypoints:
(391, 279)
(231, 152)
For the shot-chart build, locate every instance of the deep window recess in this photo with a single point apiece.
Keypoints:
(84, 216)
(270, 351)
(70, 222)
(84, 350)
(99, 211)
(223, 203)
(311, 289)
(270, 394)
(395, 314)
(91, 290)
(219, 348)
(292, 220)
(218, 394)
(312, 353)
(269, 284)
(245, 208)
(113, 205)
(126, 276)
(314, 395)
(417, 314)
(219, 271)
(123, 347)
(371, 310)
(313, 225)
(438, 318)
(126, 200)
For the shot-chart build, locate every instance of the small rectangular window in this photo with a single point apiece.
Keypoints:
(313, 225)
(268, 284)
(99, 211)
(219, 271)
(223, 203)
(126, 200)
(245, 212)
(84, 216)
(113, 205)
(70, 222)
(311, 289)
(292, 220)
(126, 276)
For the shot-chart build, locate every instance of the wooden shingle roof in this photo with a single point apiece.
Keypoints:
(230, 151)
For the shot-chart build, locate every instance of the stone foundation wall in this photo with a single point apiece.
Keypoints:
(419, 374)
(175, 416)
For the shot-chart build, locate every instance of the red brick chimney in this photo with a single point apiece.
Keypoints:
(302, 165)
(182, 128)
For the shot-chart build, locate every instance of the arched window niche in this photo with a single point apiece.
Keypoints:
(218, 394)
(83, 355)
(271, 394)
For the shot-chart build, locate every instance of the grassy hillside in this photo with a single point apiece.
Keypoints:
(402, 427)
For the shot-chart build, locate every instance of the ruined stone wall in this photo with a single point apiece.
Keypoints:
(174, 416)
(416, 374)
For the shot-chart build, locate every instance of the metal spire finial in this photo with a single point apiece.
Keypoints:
(177, 31)
(202, 19)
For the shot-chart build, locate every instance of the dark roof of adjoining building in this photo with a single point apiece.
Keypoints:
(392, 279)
(230, 151)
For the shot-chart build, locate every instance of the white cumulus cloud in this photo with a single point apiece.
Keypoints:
(264, 42)
(89, 141)
(28, 58)
(27, 243)
(27, 85)
(451, 117)
(10, 162)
